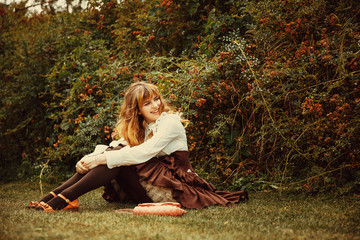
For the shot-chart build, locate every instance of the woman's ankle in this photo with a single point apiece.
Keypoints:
(57, 203)
(48, 197)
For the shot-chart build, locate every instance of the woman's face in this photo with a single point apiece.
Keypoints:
(150, 109)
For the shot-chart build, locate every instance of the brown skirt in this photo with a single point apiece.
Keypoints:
(175, 172)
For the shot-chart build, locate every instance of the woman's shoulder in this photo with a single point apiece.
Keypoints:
(171, 119)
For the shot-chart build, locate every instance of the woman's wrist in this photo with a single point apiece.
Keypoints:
(100, 159)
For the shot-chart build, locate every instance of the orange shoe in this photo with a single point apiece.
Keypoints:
(43, 206)
(73, 206)
(34, 205)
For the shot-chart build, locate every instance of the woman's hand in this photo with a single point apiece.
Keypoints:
(80, 168)
(90, 162)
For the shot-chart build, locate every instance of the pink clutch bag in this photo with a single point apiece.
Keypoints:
(160, 209)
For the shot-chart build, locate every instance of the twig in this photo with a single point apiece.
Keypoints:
(323, 173)
(35, 5)
(41, 174)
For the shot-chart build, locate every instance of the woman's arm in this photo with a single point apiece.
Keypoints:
(97, 157)
(169, 128)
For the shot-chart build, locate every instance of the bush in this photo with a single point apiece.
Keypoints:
(270, 87)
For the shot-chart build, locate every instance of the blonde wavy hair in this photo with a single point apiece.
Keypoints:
(131, 125)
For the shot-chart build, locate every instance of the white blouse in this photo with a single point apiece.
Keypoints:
(168, 136)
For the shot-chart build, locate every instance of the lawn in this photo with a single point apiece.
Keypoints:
(265, 216)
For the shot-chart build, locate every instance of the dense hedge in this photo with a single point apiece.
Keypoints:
(271, 87)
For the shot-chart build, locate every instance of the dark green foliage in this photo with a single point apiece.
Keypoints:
(271, 87)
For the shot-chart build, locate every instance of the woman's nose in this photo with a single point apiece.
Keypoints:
(154, 104)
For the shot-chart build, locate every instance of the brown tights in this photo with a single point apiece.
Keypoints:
(80, 184)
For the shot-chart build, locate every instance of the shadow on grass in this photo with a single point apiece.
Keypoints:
(265, 216)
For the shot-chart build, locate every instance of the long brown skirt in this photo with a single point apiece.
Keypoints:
(175, 172)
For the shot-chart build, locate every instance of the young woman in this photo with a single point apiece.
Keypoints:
(150, 162)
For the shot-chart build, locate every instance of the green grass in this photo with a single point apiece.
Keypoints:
(265, 216)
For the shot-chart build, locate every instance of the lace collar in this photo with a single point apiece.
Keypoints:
(153, 126)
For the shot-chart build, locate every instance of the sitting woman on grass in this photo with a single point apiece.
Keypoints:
(150, 162)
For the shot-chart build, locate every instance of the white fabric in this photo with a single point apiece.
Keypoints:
(116, 143)
(99, 149)
(168, 136)
(156, 193)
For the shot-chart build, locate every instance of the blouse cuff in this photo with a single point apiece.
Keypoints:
(115, 158)
(98, 150)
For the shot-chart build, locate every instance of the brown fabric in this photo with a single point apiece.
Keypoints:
(188, 188)
(128, 181)
(171, 171)
(125, 186)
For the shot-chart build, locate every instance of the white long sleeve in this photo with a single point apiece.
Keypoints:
(169, 136)
(99, 149)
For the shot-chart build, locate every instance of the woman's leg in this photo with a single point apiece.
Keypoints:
(129, 181)
(93, 179)
(74, 179)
